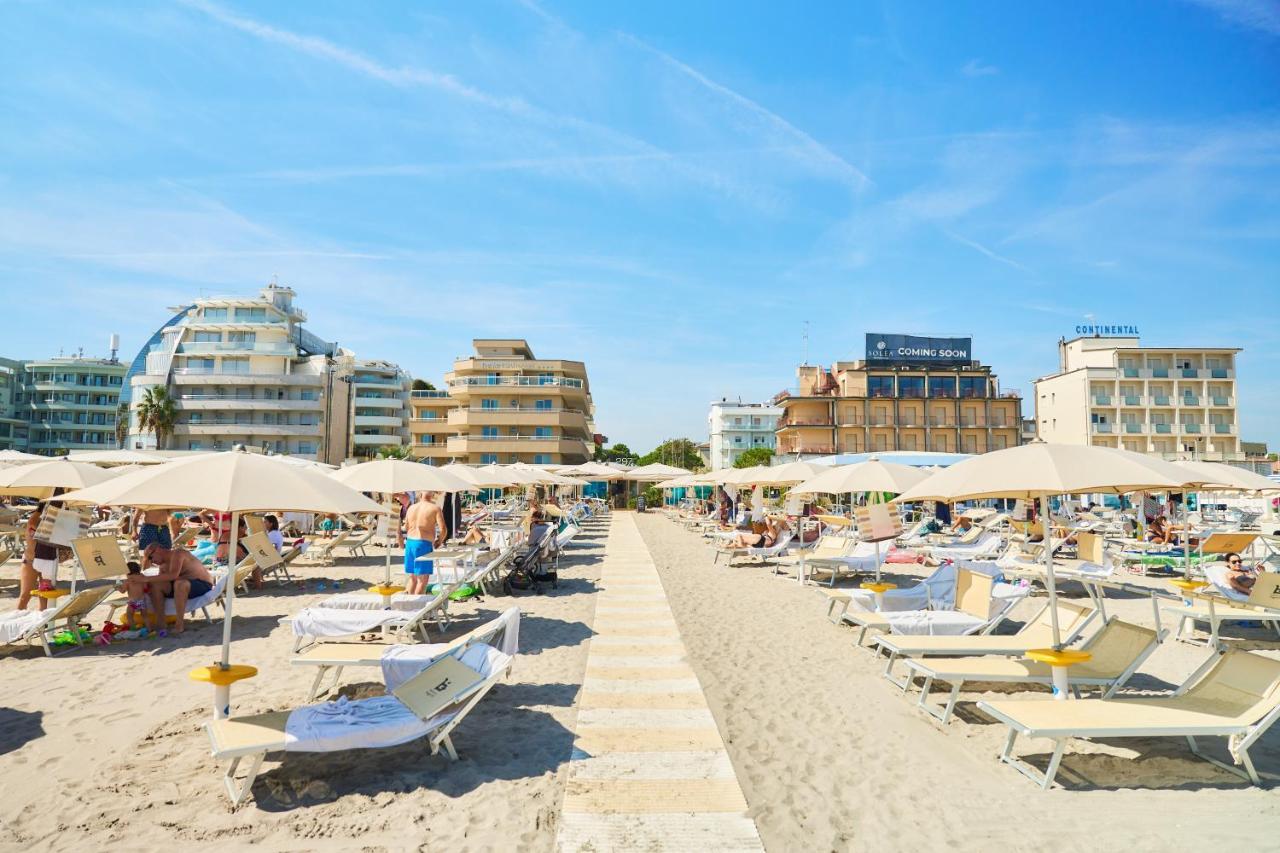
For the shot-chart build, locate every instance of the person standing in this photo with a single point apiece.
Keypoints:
(424, 531)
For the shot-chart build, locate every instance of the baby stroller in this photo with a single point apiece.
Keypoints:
(529, 570)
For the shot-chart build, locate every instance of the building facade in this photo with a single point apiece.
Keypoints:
(52, 406)
(503, 404)
(245, 371)
(908, 401)
(737, 427)
(1177, 402)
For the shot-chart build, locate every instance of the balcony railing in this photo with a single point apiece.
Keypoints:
(525, 381)
(1219, 373)
(1162, 429)
(1132, 400)
(264, 347)
(1222, 401)
(1129, 372)
(1224, 429)
(1160, 401)
(1190, 400)
(432, 394)
(512, 437)
(1104, 429)
(1102, 400)
(1191, 429)
(544, 411)
(804, 422)
(1134, 428)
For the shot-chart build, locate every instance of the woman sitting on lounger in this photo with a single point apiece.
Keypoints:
(767, 539)
(1159, 532)
(1239, 576)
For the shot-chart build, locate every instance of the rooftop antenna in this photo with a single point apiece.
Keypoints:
(806, 342)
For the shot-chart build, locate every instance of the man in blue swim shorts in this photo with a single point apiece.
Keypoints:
(424, 531)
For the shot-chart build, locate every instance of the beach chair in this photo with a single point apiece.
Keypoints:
(987, 545)
(356, 545)
(200, 604)
(1118, 649)
(980, 607)
(1262, 605)
(1235, 694)
(186, 536)
(29, 626)
(431, 704)
(502, 633)
(406, 617)
(323, 549)
(1037, 633)
(859, 558)
(936, 592)
(762, 555)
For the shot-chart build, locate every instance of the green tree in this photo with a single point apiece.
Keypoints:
(423, 385)
(680, 452)
(158, 413)
(391, 451)
(614, 453)
(754, 456)
(122, 424)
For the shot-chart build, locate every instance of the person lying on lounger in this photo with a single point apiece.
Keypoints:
(1239, 576)
(1159, 532)
(773, 529)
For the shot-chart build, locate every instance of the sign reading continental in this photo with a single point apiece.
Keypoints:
(910, 349)
(1103, 331)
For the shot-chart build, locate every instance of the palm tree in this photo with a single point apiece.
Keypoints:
(122, 424)
(391, 451)
(158, 412)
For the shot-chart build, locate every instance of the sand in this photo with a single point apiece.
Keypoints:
(832, 757)
(105, 746)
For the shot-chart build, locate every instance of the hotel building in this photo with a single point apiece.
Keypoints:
(55, 405)
(503, 404)
(899, 398)
(245, 371)
(737, 427)
(1179, 402)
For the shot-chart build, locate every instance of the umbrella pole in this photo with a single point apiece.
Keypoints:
(223, 675)
(1058, 658)
(1050, 581)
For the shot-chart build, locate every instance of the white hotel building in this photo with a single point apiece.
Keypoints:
(1179, 402)
(737, 427)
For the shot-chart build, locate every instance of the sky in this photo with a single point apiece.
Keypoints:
(692, 198)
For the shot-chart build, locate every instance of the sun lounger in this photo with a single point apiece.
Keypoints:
(199, 604)
(1118, 649)
(323, 549)
(1037, 633)
(431, 705)
(986, 545)
(358, 540)
(859, 559)
(1227, 604)
(406, 617)
(981, 604)
(501, 632)
(936, 592)
(28, 626)
(1235, 694)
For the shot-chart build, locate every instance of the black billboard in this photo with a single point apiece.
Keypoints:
(914, 350)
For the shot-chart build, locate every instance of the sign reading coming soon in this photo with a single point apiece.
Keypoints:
(910, 349)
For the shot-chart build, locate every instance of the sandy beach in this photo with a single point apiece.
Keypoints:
(104, 746)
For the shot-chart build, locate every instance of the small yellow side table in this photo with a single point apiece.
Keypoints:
(1059, 660)
(222, 679)
(50, 594)
(879, 588)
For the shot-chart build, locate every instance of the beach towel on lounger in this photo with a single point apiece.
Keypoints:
(332, 622)
(15, 624)
(403, 661)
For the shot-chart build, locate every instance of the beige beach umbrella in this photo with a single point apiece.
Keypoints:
(39, 479)
(655, 472)
(1038, 471)
(596, 471)
(1220, 477)
(107, 458)
(8, 456)
(787, 474)
(392, 476)
(869, 476)
(233, 482)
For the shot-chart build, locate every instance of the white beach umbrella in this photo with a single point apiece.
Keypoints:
(117, 457)
(39, 479)
(7, 456)
(1039, 470)
(786, 474)
(1220, 477)
(392, 476)
(655, 472)
(870, 476)
(233, 482)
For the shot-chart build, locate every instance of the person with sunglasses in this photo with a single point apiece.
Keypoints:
(1240, 577)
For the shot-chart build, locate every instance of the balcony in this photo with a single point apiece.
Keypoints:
(1191, 429)
(382, 381)
(377, 420)
(241, 431)
(880, 421)
(205, 376)
(809, 449)
(523, 416)
(1131, 400)
(227, 403)
(463, 444)
(1189, 400)
(1222, 401)
(792, 423)
(1160, 400)
(1162, 429)
(1100, 429)
(259, 348)
(1224, 429)
(1134, 429)
(377, 440)
(379, 402)
(1221, 373)
(1102, 400)
(1158, 373)
(515, 381)
(1129, 372)
(431, 395)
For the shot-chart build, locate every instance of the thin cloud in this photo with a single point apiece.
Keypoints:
(975, 68)
(1259, 15)
(817, 153)
(978, 247)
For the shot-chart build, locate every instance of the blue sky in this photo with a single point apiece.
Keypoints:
(668, 191)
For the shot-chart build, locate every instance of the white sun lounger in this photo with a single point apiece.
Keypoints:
(30, 626)
(373, 723)
(407, 617)
(501, 632)
(987, 545)
(762, 555)
(1227, 604)
(1235, 694)
(1118, 649)
(1037, 633)
(981, 605)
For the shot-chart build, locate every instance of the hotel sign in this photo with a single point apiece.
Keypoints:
(910, 349)
(1100, 331)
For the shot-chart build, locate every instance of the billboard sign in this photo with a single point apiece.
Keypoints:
(910, 349)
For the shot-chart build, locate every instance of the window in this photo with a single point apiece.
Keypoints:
(308, 395)
(200, 364)
(306, 420)
(215, 313)
(251, 315)
(492, 379)
(879, 386)
(542, 459)
(546, 379)
(306, 447)
(737, 422)
(942, 386)
(488, 404)
(489, 432)
(242, 337)
(542, 432)
(488, 458)
(542, 405)
(207, 337)
(235, 365)
(973, 386)
(195, 418)
(910, 386)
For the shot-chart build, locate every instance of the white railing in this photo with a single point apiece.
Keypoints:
(265, 347)
(525, 381)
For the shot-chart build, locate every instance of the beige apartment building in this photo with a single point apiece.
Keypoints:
(1179, 402)
(907, 402)
(503, 404)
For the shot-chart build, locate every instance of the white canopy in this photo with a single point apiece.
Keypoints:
(870, 476)
(398, 475)
(39, 479)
